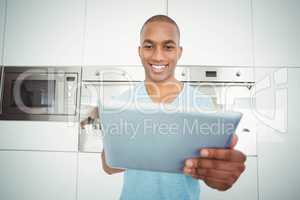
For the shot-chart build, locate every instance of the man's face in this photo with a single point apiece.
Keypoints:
(159, 50)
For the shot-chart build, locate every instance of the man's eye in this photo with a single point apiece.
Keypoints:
(147, 46)
(169, 47)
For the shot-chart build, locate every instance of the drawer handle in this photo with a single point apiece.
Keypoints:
(246, 130)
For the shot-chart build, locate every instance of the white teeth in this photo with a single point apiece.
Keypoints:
(158, 66)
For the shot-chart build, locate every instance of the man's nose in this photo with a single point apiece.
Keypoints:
(158, 54)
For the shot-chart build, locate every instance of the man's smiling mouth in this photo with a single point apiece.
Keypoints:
(158, 68)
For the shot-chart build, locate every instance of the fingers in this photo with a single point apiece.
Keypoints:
(223, 154)
(234, 141)
(222, 183)
(216, 184)
(82, 124)
(218, 168)
(214, 164)
(222, 176)
(217, 174)
(216, 179)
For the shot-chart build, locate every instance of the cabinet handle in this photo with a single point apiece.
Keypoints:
(246, 130)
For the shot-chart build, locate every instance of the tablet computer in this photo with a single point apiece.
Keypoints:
(162, 141)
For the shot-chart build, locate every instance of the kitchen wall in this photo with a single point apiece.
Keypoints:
(92, 32)
(261, 34)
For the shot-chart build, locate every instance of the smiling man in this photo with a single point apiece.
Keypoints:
(219, 168)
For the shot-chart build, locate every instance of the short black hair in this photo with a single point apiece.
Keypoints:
(161, 18)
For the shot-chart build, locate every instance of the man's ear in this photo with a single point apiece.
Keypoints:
(139, 50)
(179, 52)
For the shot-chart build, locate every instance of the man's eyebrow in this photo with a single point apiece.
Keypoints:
(148, 41)
(169, 41)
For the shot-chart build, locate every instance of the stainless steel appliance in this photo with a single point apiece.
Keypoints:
(229, 87)
(100, 84)
(39, 108)
(231, 90)
(40, 93)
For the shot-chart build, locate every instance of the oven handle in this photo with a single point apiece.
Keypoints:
(248, 85)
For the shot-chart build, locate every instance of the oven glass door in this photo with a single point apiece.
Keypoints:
(34, 94)
(235, 97)
(93, 93)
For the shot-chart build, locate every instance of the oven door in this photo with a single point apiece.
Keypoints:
(93, 93)
(235, 97)
(38, 94)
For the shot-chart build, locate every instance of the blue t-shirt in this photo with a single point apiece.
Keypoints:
(149, 185)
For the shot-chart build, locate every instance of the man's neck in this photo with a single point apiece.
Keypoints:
(165, 91)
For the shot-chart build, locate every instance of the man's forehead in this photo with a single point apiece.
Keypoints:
(149, 40)
(160, 30)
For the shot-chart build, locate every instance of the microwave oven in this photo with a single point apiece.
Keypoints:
(40, 93)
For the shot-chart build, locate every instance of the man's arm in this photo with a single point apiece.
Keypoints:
(107, 168)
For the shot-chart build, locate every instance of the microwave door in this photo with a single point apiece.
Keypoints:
(35, 94)
(38, 95)
(22, 96)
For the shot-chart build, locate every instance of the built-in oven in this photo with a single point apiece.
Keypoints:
(40, 93)
(100, 85)
(229, 87)
(231, 90)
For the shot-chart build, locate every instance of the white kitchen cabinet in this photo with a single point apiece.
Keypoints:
(214, 32)
(276, 27)
(2, 26)
(244, 189)
(113, 28)
(37, 175)
(278, 145)
(44, 33)
(93, 182)
(38, 135)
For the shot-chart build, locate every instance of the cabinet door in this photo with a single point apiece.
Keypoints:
(278, 149)
(93, 182)
(113, 28)
(276, 27)
(244, 189)
(214, 32)
(2, 25)
(48, 32)
(37, 175)
(38, 135)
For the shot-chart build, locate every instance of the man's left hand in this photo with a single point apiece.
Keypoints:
(218, 168)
